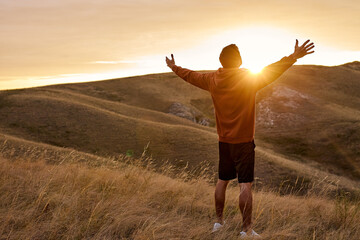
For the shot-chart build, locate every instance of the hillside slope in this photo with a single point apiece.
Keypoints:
(310, 117)
(97, 126)
(313, 114)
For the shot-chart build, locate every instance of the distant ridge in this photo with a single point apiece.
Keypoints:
(353, 65)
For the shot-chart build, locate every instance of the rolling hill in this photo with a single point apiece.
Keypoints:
(308, 123)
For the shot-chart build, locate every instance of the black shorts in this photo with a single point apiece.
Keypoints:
(237, 160)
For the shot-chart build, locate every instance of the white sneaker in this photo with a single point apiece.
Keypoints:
(217, 227)
(252, 234)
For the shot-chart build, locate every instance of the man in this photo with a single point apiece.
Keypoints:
(233, 92)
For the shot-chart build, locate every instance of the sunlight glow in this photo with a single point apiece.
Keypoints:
(255, 69)
(259, 46)
(36, 81)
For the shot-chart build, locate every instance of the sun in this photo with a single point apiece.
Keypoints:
(255, 69)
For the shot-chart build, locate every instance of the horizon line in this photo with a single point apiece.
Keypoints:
(62, 80)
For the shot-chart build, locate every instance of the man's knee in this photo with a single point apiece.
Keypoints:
(245, 186)
(223, 182)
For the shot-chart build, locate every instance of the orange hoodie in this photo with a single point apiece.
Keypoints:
(233, 92)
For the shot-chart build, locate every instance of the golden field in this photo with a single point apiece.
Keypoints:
(106, 159)
(124, 198)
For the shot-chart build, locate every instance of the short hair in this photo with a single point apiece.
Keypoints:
(230, 57)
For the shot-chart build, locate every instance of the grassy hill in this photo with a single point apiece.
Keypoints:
(310, 116)
(313, 114)
(107, 160)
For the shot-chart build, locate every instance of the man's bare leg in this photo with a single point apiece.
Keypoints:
(245, 205)
(220, 191)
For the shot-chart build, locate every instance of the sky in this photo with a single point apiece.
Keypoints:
(59, 41)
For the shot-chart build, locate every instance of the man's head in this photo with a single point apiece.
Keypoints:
(230, 57)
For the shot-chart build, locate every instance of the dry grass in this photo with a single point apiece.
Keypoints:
(126, 199)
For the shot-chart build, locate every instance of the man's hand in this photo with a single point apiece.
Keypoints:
(171, 62)
(303, 50)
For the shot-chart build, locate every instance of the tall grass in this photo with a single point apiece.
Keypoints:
(124, 198)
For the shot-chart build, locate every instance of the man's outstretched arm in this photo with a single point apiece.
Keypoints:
(201, 80)
(270, 73)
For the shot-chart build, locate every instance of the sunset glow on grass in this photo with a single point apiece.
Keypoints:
(202, 119)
